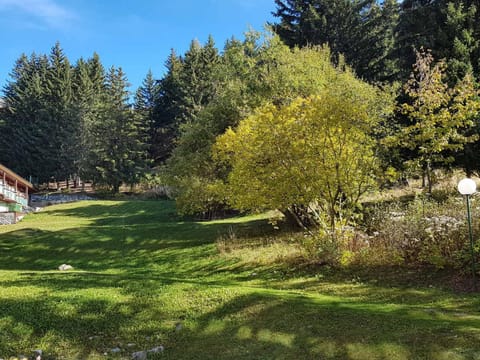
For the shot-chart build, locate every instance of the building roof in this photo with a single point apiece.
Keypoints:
(15, 176)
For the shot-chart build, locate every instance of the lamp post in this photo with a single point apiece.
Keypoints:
(468, 187)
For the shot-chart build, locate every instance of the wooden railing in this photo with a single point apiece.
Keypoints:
(9, 193)
(70, 185)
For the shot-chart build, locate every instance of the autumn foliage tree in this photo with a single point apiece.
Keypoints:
(312, 158)
(438, 116)
(252, 73)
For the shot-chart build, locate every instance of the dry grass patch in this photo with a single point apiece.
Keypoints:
(282, 248)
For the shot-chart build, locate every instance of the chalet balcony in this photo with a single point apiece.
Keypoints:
(8, 194)
(14, 191)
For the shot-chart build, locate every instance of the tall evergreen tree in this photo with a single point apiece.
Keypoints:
(196, 85)
(146, 94)
(457, 41)
(119, 151)
(187, 88)
(375, 59)
(361, 30)
(26, 127)
(42, 117)
(145, 107)
(167, 109)
(64, 125)
(89, 92)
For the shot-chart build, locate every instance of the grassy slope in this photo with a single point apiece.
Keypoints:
(139, 271)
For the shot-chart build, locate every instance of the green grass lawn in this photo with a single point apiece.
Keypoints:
(140, 270)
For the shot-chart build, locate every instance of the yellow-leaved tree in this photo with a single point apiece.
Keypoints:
(312, 158)
(440, 116)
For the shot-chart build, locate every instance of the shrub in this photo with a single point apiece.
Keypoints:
(331, 247)
(422, 232)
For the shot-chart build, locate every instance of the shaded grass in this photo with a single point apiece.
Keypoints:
(140, 270)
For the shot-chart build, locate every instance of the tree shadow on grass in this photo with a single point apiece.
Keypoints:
(119, 212)
(182, 251)
(59, 323)
(180, 248)
(251, 325)
(269, 326)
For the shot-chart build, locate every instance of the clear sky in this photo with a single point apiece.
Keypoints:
(134, 34)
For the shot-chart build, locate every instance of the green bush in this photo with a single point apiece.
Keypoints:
(331, 247)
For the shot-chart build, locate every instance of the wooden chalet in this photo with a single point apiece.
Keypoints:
(14, 192)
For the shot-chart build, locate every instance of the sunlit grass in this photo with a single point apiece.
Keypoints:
(140, 271)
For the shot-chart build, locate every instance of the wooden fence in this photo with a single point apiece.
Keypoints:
(71, 185)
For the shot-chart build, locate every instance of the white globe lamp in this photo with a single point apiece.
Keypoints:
(467, 186)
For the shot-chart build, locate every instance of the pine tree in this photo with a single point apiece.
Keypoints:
(360, 30)
(167, 110)
(26, 124)
(418, 27)
(63, 123)
(119, 151)
(146, 94)
(297, 27)
(41, 120)
(184, 92)
(457, 42)
(196, 85)
(89, 90)
(145, 100)
(375, 59)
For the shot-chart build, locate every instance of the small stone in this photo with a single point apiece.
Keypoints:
(139, 355)
(37, 354)
(156, 350)
(178, 326)
(116, 350)
(130, 345)
(65, 267)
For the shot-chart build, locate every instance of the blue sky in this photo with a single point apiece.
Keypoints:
(136, 35)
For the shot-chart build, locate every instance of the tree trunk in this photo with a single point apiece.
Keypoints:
(429, 177)
(292, 218)
(116, 188)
